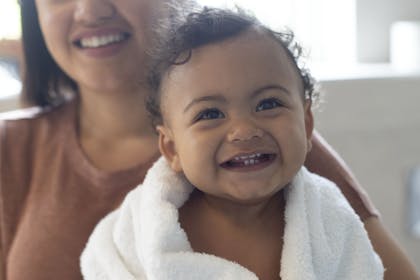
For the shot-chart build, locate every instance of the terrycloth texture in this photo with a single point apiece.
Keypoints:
(323, 239)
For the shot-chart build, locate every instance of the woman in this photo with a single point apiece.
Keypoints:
(66, 165)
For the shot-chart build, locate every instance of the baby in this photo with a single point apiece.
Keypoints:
(230, 198)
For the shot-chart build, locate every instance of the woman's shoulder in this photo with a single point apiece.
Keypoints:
(24, 126)
(34, 117)
(18, 123)
(25, 132)
(21, 114)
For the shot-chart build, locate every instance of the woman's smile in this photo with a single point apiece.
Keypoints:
(101, 43)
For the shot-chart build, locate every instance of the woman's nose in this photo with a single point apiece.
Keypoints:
(245, 131)
(94, 12)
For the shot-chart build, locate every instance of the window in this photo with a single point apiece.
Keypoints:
(9, 30)
(9, 19)
(326, 28)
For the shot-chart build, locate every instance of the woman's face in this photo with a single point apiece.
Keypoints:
(100, 44)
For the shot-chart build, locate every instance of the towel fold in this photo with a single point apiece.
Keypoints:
(323, 237)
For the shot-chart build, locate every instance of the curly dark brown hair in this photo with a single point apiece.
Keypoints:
(206, 26)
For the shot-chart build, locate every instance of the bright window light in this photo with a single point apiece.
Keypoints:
(326, 28)
(9, 19)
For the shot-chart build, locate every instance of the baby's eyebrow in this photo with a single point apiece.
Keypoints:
(216, 97)
(270, 87)
(221, 98)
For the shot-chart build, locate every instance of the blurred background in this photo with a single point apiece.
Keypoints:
(366, 55)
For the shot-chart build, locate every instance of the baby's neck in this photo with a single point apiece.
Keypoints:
(237, 213)
(249, 235)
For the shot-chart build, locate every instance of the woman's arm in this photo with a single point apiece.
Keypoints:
(324, 161)
(2, 258)
(1, 267)
(397, 264)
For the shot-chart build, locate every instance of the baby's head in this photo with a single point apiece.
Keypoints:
(232, 108)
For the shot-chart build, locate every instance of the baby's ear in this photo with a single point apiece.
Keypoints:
(167, 147)
(309, 123)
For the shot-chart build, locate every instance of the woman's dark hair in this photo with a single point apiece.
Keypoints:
(212, 25)
(43, 79)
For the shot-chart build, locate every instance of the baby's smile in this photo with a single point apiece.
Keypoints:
(249, 161)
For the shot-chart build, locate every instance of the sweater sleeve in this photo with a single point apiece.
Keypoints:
(13, 182)
(324, 161)
(2, 258)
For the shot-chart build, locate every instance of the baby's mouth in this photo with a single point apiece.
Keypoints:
(101, 41)
(248, 160)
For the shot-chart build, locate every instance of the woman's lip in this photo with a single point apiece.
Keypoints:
(104, 51)
(101, 41)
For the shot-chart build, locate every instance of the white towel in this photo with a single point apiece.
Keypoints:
(323, 238)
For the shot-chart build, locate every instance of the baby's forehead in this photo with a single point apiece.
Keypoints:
(255, 44)
(252, 49)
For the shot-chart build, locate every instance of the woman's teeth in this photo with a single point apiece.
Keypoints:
(100, 41)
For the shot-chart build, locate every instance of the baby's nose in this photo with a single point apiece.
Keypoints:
(244, 131)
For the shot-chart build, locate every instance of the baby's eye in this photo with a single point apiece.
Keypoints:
(268, 104)
(210, 114)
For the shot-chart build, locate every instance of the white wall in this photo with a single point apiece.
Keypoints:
(375, 125)
(9, 103)
(374, 18)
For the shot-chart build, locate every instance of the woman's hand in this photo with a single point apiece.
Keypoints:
(396, 263)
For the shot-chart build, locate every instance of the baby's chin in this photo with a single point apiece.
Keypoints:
(248, 199)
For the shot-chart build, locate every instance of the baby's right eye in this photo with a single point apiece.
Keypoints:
(209, 114)
(268, 104)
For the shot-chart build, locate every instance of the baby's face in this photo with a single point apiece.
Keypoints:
(235, 122)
